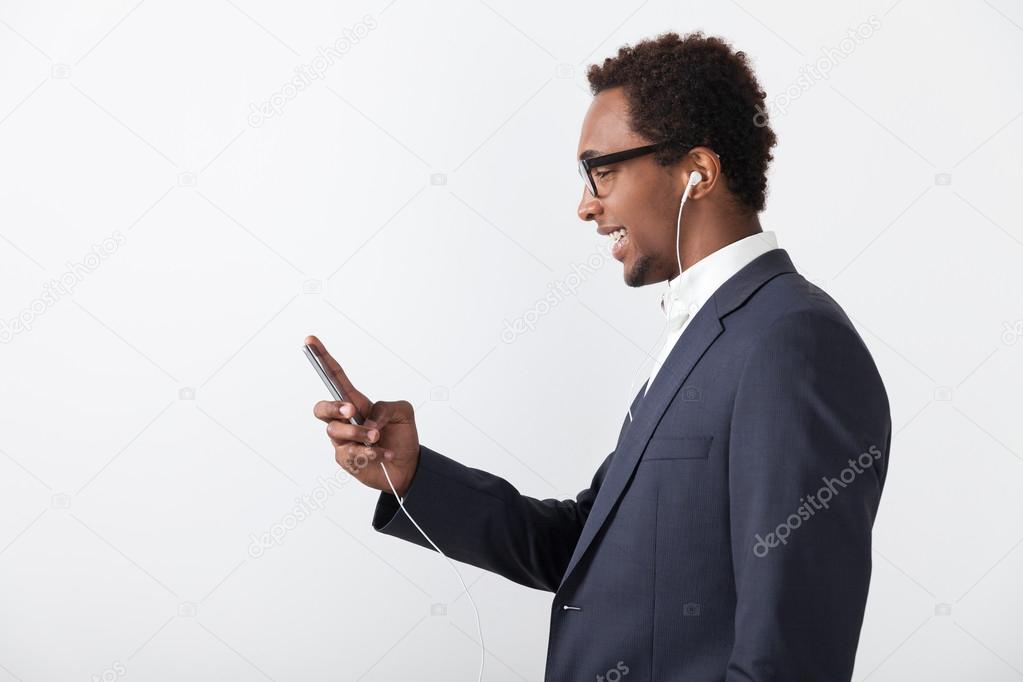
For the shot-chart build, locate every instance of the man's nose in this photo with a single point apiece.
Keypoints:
(589, 206)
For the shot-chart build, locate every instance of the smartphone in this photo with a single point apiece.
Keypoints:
(321, 369)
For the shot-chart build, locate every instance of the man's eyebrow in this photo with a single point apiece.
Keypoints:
(589, 154)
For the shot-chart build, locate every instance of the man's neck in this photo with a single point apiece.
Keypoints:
(718, 235)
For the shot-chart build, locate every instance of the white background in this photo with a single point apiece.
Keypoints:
(157, 418)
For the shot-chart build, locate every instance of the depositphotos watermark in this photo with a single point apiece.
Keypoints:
(557, 291)
(315, 70)
(1011, 333)
(820, 69)
(614, 674)
(114, 672)
(64, 285)
(811, 504)
(305, 506)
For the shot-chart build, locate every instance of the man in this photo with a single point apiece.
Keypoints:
(728, 535)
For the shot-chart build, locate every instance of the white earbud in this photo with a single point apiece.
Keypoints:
(694, 178)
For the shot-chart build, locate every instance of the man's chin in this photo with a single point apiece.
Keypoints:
(636, 275)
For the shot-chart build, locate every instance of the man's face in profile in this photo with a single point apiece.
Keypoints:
(638, 194)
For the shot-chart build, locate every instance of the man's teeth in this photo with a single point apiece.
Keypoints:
(617, 235)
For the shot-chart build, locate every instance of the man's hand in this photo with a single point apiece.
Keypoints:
(388, 435)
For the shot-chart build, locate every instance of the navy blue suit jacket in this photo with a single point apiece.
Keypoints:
(728, 535)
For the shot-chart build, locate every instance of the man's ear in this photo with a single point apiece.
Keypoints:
(706, 161)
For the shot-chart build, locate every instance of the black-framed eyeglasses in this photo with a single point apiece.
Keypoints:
(586, 166)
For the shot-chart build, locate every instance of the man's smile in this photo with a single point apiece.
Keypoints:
(619, 240)
(619, 237)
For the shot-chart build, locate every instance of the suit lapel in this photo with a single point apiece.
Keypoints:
(635, 405)
(648, 410)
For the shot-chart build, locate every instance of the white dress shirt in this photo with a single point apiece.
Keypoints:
(688, 291)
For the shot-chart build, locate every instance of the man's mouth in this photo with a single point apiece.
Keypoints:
(619, 240)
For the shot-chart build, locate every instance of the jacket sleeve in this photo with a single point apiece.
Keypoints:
(808, 456)
(482, 520)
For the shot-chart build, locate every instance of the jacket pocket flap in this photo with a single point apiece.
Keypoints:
(677, 447)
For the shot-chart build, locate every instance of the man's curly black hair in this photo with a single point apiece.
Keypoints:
(695, 91)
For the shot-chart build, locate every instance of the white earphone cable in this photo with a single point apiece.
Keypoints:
(479, 628)
(694, 178)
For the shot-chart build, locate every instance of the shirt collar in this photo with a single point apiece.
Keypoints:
(687, 292)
